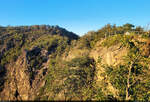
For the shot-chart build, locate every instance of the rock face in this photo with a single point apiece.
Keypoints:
(111, 56)
(22, 71)
(19, 85)
(53, 64)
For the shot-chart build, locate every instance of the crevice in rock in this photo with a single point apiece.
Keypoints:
(16, 94)
(44, 72)
(2, 77)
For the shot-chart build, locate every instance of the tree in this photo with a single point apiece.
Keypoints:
(139, 29)
(128, 27)
(133, 61)
(131, 78)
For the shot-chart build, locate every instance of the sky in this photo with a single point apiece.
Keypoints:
(78, 16)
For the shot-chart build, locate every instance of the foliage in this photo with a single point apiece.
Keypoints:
(13, 41)
(130, 75)
(108, 31)
(74, 78)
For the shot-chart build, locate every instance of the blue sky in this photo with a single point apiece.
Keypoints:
(79, 16)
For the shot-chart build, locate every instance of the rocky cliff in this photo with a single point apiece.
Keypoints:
(50, 63)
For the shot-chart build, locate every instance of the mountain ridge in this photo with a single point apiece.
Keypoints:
(43, 62)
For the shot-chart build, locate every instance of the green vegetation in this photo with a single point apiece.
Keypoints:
(129, 78)
(108, 31)
(74, 77)
(14, 40)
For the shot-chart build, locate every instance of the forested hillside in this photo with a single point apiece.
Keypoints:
(43, 62)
